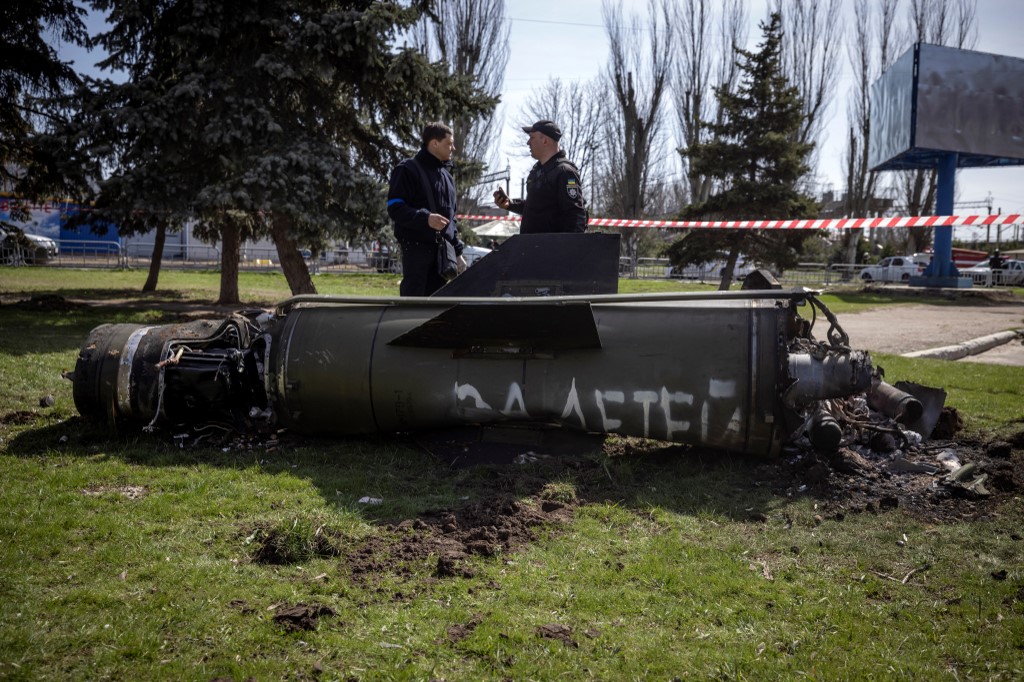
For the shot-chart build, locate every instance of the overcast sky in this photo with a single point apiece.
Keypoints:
(566, 39)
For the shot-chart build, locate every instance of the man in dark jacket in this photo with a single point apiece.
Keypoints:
(554, 193)
(421, 202)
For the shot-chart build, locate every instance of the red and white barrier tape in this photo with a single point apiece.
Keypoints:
(7, 203)
(817, 224)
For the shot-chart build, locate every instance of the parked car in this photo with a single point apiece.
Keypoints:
(382, 259)
(712, 270)
(893, 269)
(701, 271)
(743, 268)
(334, 257)
(474, 253)
(1011, 275)
(18, 247)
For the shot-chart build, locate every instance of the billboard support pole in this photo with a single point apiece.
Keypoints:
(942, 272)
(944, 194)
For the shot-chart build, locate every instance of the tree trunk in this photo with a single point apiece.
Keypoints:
(921, 202)
(230, 244)
(852, 238)
(157, 258)
(294, 267)
(730, 267)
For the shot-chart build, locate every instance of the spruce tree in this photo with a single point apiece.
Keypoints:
(276, 118)
(755, 160)
(33, 82)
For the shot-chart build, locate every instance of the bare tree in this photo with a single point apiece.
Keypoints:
(638, 76)
(578, 110)
(472, 37)
(704, 62)
(870, 50)
(811, 50)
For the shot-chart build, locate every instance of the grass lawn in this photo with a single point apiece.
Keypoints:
(133, 558)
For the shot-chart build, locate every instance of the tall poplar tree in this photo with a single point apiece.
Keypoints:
(755, 155)
(471, 37)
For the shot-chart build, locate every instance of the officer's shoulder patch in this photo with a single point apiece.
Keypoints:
(572, 188)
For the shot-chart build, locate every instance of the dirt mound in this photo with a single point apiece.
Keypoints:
(47, 303)
(301, 617)
(498, 525)
(938, 482)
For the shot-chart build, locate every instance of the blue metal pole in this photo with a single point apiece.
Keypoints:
(942, 272)
(942, 260)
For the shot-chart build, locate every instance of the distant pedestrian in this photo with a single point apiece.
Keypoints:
(554, 192)
(996, 265)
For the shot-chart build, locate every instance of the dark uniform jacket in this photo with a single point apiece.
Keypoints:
(554, 198)
(409, 206)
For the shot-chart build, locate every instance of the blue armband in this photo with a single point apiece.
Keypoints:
(392, 202)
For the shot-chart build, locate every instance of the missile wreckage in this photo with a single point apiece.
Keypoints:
(501, 344)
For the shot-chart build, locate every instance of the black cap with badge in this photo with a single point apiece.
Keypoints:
(546, 128)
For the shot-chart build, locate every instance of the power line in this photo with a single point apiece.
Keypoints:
(639, 29)
(559, 23)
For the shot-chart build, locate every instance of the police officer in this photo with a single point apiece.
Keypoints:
(554, 193)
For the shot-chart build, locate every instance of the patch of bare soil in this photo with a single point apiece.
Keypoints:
(18, 418)
(460, 631)
(47, 303)
(940, 481)
(500, 524)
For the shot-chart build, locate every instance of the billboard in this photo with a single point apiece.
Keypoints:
(44, 219)
(50, 219)
(935, 100)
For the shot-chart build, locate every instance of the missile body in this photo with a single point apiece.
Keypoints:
(732, 370)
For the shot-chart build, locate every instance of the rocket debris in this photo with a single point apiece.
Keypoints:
(739, 371)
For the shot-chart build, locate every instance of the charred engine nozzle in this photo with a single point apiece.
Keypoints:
(894, 403)
(835, 375)
(201, 371)
(825, 433)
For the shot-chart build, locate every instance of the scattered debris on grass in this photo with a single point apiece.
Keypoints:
(132, 492)
(460, 631)
(301, 617)
(557, 631)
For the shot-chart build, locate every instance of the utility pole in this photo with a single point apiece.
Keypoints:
(986, 204)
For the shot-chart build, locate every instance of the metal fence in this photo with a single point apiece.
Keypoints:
(87, 253)
(804, 274)
(99, 254)
(75, 253)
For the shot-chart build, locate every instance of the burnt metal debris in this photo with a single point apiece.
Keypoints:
(738, 370)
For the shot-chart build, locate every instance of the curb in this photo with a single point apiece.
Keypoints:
(971, 347)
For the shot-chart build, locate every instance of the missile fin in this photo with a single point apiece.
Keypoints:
(539, 327)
